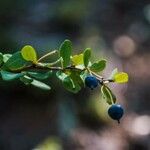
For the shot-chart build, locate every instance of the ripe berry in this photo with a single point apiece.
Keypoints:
(91, 82)
(116, 112)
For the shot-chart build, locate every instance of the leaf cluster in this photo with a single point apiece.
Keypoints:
(71, 70)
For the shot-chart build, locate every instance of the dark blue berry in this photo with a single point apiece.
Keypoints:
(116, 112)
(91, 82)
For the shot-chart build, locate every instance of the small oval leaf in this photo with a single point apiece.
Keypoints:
(71, 85)
(15, 62)
(86, 56)
(40, 75)
(121, 77)
(108, 95)
(28, 80)
(29, 53)
(77, 59)
(7, 76)
(40, 85)
(98, 66)
(70, 82)
(65, 52)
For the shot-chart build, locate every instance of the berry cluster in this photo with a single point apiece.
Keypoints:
(115, 111)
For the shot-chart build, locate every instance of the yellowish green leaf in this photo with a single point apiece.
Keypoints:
(77, 59)
(121, 77)
(29, 53)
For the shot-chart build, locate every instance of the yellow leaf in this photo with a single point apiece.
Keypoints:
(77, 59)
(29, 53)
(121, 77)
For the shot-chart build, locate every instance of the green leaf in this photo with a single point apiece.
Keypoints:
(65, 52)
(75, 76)
(61, 75)
(26, 80)
(10, 76)
(6, 57)
(77, 59)
(69, 82)
(1, 58)
(86, 56)
(108, 95)
(98, 66)
(40, 85)
(16, 62)
(71, 85)
(29, 53)
(40, 75)
(121, 77)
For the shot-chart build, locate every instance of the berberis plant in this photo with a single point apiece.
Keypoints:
(74, 71)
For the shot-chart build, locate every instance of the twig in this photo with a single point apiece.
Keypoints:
(46, 55)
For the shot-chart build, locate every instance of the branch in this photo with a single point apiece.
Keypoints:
(39, 66)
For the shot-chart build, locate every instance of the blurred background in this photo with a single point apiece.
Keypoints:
(117, 30)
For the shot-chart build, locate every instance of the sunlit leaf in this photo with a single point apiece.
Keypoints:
(40, 85)
(77, 59)
(121, 77)
(65, 52)
(98, 66)
(29, 53)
